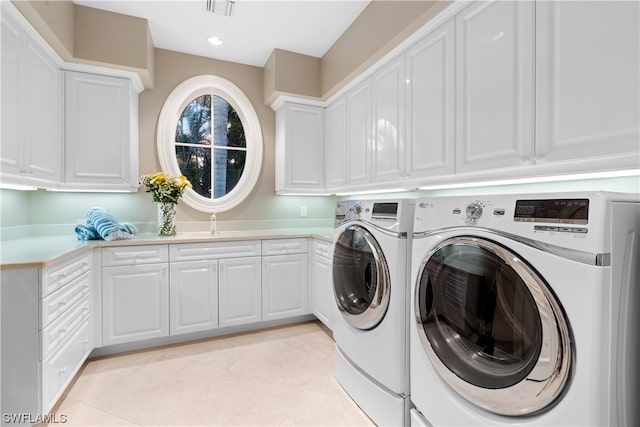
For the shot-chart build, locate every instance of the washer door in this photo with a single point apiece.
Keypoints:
(491, 326)
(360, 278)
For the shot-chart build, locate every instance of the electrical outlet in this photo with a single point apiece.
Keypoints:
(303, 211)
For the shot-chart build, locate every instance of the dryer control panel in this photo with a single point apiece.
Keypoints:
(394, 215)
(565, 211)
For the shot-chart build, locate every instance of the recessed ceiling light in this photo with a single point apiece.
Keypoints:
(216, 41)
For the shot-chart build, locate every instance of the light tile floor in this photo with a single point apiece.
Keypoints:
(276, 377)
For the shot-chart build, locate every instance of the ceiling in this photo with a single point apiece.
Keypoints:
(250, 34)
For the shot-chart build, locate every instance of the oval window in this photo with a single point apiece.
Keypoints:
(209, 132)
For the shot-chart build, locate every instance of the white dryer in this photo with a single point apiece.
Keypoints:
(370, 269)
(525, 310)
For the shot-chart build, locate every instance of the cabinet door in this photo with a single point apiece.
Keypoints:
(299, 148)
(335, 144)
(321, 286)
(240, 291)
(494, 85)
(31, 150)
(284, 286)
(430, 65)
(388, 121)
(359, 134)
(101, 132)
(587, 84)
(193, 296)
(43, 117)
(11, 54)
(135, 303)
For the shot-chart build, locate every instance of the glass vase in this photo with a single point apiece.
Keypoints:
(166, 219)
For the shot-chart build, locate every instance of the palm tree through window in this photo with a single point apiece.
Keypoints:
(210, 146)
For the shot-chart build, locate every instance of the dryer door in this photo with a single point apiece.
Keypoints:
(360, 278)
(491, 326)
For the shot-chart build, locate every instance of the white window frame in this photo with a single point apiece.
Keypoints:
(171, 112)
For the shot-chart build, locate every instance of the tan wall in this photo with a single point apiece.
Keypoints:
(54, 20)
(172, 68)
(289, 73)
(96, 41)
(379, 29)
(86, 35)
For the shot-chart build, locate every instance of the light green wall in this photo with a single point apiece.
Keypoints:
(14, 208)
(43, 208)
(40, 208)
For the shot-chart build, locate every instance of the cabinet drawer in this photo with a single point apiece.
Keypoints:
(54, 335)
(56, 277)
(284, 246)
(63, 299)
(133, 255)
(59, 368)
(214, 250)
(322, 248)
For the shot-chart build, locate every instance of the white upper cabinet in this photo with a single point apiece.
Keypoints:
(335, 144)
(31, 152)
(63, 129)
(494, 85)
(359, 134)
(430, 111)
(388, 121)
(587, 82)
(101, 132)
(299, 149)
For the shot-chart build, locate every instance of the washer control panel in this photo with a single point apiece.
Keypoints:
(474, 211)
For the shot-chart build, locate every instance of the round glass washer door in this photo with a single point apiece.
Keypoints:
(360, 278)
(491, 327)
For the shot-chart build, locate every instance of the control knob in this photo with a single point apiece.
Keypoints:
(474, 211)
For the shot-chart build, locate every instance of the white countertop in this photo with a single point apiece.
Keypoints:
(31, 252)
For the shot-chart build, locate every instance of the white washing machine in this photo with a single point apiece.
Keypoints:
(370, 268)
(525, 310)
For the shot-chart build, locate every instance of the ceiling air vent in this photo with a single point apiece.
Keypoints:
(220, 7)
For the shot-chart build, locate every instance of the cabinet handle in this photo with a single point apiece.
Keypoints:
(85, 343)
(62, 371)
(62, 303)
(62, 332)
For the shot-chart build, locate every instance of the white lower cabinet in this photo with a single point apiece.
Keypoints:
(240, 291)
(46, 335)
(321, 282)
(135, 303)
(284, 286)
(135, 293)
(193, 295)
